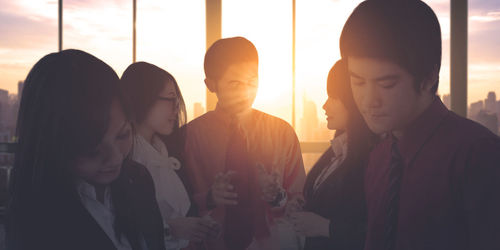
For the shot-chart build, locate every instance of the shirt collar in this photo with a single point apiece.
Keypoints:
(421, 130)
(339, 145)
(156, 145)
(227, 119)
(87, 191)
(155, 154)
(222, 116)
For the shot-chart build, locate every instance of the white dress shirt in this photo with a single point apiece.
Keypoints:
(171, 195)
(103, 213)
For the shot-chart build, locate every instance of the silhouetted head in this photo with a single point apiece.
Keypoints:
(339, 97)
(393, 48)
(405, 32)
(343, 114)
(71, 125)
(155, 98)
(231, 70)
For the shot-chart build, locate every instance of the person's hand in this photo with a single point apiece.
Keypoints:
(295, 204)
(269, 183)
(310, 224)
(222, 192)
(192, 228)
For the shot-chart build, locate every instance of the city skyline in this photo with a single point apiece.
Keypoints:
(30, 31)
(311, 122)
(312, 126)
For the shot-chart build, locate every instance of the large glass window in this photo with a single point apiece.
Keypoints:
(268, 24)
(318, 27)
(171, 35)
(101, 28)
(28, 31)
(484, 64)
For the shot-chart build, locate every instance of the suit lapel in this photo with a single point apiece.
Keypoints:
(89, 230)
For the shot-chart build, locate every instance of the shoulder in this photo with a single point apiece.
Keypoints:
(323, 160)
(272, 122)
(467, 133)
(201, 126)
(201, 121)
(267, 118)
(133, 169)
(471, 146)
(134, 177)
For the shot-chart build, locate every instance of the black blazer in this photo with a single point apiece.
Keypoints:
(61, 222)
(340, 198)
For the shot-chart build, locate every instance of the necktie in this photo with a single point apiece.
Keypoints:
(239, 226)
(395, 175)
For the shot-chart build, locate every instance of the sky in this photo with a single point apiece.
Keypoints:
(171, 34)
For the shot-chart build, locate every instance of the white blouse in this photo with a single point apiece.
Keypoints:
(171, 195)
(103, 213)
(339, 147)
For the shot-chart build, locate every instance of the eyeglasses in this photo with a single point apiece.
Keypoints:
(172, 100)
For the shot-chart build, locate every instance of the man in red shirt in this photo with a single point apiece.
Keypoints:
(433, 182)
(244, 165)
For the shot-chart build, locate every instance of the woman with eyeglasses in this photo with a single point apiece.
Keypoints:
(159, 112)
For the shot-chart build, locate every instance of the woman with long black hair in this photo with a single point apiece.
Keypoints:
(72, 185)
(334, 215)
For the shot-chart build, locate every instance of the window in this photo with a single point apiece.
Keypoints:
(268, 25)
(171, 35)
(101, 28)
(29, 31)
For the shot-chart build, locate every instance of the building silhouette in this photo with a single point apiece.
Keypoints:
(488, 119)
(4, 107)
(9, 107)
(487, 113)
(5, 113)
(309, 122)
(498, 112)
(490, 102)
(447, 100)
(198, 110)
(474, 109)
(20, 87)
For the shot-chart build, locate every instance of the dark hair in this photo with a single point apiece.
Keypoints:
(405, 32)
(360, 139)
(141, 82)
(64, 113)
(226, 52)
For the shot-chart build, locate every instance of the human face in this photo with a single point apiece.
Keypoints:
(336, 114)
(163, 114)
(237, 88)
(385, 94)
(102, 165)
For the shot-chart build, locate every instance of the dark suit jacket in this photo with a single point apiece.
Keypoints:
(340, 198)
(60, 221)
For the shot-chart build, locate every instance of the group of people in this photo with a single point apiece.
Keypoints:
(104, 162)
